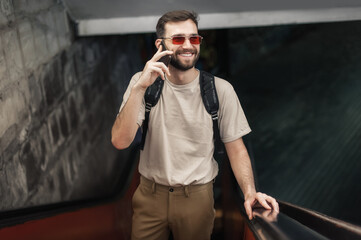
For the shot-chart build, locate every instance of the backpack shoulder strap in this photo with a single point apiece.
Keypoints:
(209, 98)
(211, 103)
(151, 97)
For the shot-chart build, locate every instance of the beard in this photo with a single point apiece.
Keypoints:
(176, 63)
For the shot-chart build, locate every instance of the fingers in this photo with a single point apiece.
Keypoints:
(273, 203)
(164, 68)
(151, 71)
(154, 69)
(160, 54)
(248, 207)
(159, 50)
(158, 69)
(262, 200)
(267, 202)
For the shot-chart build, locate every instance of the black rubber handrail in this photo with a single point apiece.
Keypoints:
(277, 226)
(327, 226)
(294, 222)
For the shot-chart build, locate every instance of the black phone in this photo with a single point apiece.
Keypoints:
(165, 59)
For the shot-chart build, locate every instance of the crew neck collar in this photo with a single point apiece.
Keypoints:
(187, 85)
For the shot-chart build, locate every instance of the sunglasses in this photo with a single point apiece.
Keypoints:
(179, 40)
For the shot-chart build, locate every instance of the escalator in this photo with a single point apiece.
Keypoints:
(292, 222)
(110, 217)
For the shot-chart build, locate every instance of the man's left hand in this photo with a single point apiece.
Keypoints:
(260, 199)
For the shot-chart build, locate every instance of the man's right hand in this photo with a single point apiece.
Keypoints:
(153, 69)
(125, 125)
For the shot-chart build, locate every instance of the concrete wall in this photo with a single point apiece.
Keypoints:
(58, 99)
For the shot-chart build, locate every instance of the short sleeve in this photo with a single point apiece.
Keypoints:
(233, 123)
(126, 95)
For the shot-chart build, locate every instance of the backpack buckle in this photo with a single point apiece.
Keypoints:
(148, 107)
(214, 115)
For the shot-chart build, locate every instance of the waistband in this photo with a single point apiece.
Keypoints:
(187, 189)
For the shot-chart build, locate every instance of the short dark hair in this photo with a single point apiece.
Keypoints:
(175, 16)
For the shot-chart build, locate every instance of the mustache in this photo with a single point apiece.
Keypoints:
(193, 51)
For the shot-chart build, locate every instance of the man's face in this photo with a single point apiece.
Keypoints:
(185, 55)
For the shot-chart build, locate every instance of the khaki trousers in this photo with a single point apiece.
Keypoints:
(187, 211)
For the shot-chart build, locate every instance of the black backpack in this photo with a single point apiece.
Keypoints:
(210, 101)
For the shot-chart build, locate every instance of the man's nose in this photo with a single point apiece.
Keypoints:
(187, 43)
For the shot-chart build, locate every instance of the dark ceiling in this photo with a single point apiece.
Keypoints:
(96, 17)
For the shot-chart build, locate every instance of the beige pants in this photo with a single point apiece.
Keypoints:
(187, 212)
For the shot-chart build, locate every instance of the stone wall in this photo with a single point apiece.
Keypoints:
(58, 99)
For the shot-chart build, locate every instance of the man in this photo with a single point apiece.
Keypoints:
(177, 166)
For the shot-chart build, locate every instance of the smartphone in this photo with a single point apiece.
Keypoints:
(165, 59)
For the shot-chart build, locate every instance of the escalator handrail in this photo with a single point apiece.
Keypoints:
(293, 222)
(327, 226)
(269, 225)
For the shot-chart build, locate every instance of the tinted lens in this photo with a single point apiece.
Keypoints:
(178, 40)
(195, 39)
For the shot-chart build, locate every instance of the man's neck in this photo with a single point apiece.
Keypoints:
(182, 77)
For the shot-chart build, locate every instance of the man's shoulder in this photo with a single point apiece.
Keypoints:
(222, 85)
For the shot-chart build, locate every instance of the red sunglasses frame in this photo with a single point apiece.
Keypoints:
(179, 40)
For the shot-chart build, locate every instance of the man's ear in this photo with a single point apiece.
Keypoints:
(158, 42)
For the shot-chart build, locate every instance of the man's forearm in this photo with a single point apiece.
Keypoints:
(242, 169)
(125, 125)
(241, 166)
(243, 172)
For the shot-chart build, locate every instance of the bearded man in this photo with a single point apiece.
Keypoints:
(176, 165)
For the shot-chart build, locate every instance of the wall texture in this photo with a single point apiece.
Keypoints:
(58, 99)
(300, 87)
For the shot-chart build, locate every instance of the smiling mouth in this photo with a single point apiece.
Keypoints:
(186, 54)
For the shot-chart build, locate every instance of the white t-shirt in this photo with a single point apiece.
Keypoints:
(179, 145)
